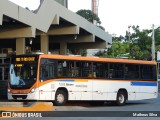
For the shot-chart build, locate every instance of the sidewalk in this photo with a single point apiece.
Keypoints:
(37, 106)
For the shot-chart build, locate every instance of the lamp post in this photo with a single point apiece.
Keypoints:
(153, 44)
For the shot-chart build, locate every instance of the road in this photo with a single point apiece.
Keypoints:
(137, 108)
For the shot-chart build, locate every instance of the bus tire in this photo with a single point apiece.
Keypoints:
(121, 98)
(60, 98)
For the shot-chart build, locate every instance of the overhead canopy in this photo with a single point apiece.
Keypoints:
(51, 19)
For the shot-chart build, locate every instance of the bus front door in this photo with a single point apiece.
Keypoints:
(45, 91)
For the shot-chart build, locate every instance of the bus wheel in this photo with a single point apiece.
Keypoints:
(121, 98)
(60, 98)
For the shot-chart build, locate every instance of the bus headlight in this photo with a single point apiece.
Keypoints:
(33, 90)
(9, 90)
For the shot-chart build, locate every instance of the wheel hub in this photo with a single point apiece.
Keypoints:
(60, 98)
(121, 98)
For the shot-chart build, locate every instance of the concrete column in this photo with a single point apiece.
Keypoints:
(20, 46)
(44, 44)
(63, 48)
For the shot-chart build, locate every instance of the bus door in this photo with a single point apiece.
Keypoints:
(44, 91)
(46, 75)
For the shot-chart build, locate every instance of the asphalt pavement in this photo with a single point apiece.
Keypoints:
(133, 110)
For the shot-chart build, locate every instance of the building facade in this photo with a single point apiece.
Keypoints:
(52, 28)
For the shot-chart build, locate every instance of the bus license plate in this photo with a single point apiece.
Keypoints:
(19, 98)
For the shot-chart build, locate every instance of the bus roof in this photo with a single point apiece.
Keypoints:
(80, 58)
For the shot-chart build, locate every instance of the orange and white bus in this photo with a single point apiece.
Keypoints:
(60, 78)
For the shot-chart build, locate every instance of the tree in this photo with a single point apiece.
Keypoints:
(136, 45)
(119, 49)
(101, 53)
(140, 44)
(83, 52)
(90, 16)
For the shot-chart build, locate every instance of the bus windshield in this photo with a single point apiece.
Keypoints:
(22, 75)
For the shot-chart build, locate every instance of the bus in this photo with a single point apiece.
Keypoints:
(60, 78)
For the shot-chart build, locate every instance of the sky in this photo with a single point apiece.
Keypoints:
(115, 15)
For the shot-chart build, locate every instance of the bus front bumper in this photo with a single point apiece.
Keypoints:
(29, 96)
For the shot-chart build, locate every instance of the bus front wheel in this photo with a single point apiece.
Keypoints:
(121, 98)
(60, 98)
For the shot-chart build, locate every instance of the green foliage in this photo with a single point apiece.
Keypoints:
(140, 44)
(136, 45)
(90, 16)
(101, 54)
(84, 52)
(118, 49)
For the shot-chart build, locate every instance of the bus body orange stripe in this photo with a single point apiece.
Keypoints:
(86, 80)
(93, 59)
(39, 84)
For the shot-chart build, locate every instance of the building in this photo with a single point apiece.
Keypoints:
(52, 28)
(63, 2)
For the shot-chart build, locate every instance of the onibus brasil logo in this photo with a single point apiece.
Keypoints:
(20, 114)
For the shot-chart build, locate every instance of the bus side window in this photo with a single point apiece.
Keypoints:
(75, 71)
(147, 72)
(64, 68)
(47, 70)
(110, 75)
(131, 71)
(86, 68)
(98, 70)
(111, 71)
(68, 68)
(116, 71)
(60, 69)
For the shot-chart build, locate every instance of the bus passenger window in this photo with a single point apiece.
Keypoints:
(60, 69)
(67, 69)
(131, 71)
(116, 70)
(47, 69)
(110, 73)
(98, 70)
(86, 69)
(147, 72)
(76, 69)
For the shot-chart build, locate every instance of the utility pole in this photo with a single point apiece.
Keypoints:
(129, 33)
(153, 44)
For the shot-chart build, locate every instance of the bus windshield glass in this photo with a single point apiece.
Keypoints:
(23, 74)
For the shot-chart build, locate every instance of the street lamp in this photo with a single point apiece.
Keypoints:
(153, 44)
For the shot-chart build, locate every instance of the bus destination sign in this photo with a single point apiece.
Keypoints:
(25, 59)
